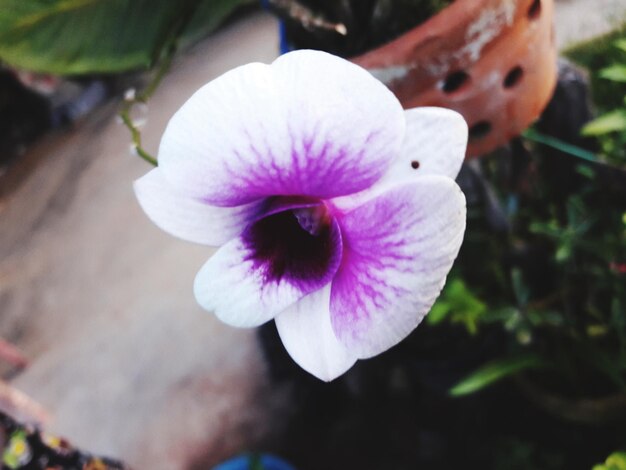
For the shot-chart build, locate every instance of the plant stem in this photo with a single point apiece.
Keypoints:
(535, 136)
(305, 16)
(167, 53)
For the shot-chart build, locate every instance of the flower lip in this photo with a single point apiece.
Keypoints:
(298, 243)
(313, 219)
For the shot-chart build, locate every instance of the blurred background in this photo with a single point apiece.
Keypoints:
(521, 363)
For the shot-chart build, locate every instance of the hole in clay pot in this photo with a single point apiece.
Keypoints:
(479, 130)
(455, 81)
(415, 164)
(513, 77)
(534, 10)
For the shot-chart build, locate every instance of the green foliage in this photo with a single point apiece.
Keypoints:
(615, 72)
(494, 371)
(574, 150)
(613, 121)
(555, 282)
(598, 54)
(88, 36)
(615, 461)
(459, 305)
(608, 82)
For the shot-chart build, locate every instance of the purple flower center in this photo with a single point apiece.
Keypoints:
(301, 245)
(313, 219)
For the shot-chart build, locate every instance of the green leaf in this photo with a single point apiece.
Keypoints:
(615, 461)
(573, 150)
(616, 73)
(610, 122)
(459, 304)
(494, 371)
(89, 36)
(521, 291)
(620, 44)
(438, 313)
(563, 252)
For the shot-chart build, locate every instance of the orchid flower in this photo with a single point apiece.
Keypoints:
(336, 212)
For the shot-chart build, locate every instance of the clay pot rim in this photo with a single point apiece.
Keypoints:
(438, 26)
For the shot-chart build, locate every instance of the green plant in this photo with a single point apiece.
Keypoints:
(101, 36)
(610, 127)
(554, 283)
(615, 461)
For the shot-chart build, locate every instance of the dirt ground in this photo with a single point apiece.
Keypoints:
(101, 300)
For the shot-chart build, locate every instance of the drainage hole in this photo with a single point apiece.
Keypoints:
(479, 130)
(455, 81)
(535, 10)
(513, 77)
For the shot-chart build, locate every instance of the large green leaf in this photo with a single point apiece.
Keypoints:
(87, 36)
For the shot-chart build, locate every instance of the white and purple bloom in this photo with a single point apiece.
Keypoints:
(336, 212)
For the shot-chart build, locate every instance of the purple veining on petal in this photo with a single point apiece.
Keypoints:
(308, 173)
(287, 128)
(285, 251)
(375, 236)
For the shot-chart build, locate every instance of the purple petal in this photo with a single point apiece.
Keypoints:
(307, 334)
(188, 218)
(398, 249)
(310, 124)
(273, 264)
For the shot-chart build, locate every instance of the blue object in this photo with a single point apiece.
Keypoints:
(245, 462)
(284, 46)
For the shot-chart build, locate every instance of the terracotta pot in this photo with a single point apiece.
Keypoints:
(494, 61)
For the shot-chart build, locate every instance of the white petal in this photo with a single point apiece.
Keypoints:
(229, 286)
(283, 129)
(254, 277)
(188, 218)
(435, 141)
(398, 250)
(307, 334)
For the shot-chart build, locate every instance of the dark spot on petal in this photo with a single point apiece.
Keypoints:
(285, 249)
(415, 164)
